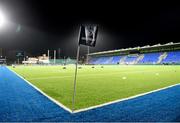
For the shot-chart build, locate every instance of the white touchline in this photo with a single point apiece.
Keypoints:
(119, 100)
(92, 107)
(50, 98)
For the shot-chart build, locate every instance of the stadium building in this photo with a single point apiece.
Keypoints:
(157, 54)
(2, 60)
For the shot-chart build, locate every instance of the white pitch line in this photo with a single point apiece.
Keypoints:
(50, 77)
(50, 98)
(54, 77)
(119, 100)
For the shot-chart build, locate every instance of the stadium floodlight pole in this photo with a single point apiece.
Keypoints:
(48, 56)
(54, 56)
(18, 60)
(64, 62)
(59, 53)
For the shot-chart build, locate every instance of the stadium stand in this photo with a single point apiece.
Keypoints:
(157, 54)
(150, 58)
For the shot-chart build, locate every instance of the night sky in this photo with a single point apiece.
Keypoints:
(37, 25)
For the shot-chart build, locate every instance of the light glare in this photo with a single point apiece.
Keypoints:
(2, 19)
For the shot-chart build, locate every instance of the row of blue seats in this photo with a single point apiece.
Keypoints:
(172, 57)
(148, 58)
(105, 60)
(130, 59)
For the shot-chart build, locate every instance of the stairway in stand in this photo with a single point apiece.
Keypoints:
(139, 58)
(122, 60)
(162, 57)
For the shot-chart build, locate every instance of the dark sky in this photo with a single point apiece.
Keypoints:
(38, 25)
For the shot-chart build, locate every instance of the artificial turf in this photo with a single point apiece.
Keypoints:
(98, 85)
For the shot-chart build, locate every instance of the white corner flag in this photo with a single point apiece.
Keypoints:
(87, 36)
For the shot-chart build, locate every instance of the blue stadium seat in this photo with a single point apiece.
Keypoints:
(172, 57)
(130, 59)
(150, 58)
(115, 59)
(105, 60)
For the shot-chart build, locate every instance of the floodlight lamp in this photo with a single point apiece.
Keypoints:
(2, 19)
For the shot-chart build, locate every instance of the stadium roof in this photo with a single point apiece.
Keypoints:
(137, 48)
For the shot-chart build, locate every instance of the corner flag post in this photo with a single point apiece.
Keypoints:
(87, 36)
(74, 93)
(77, 59)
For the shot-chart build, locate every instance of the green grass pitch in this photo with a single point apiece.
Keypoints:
(98, 85)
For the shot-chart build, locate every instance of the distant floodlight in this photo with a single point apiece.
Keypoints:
(2, 19)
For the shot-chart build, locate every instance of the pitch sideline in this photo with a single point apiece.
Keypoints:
(92, 107)
(124, 99)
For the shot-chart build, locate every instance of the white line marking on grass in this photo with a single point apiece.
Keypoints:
(119, 100)
(50, 77)
(50, 98)
(94, 75)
